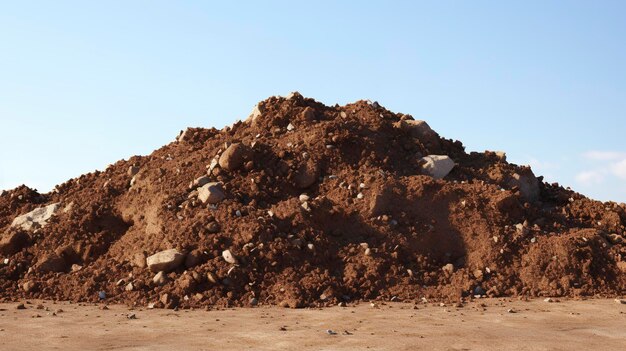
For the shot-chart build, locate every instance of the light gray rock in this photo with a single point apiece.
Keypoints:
(159, 278)
(233, 157)
(437, 166)
(211, 193)
(527, 183)
(421, 130)
(200, 181)
(166, 261)
(36, 218)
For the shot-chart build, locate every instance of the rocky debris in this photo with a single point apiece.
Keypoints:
(194, 258)
(36, 218)
(234, 157)
(20, 306)
(437, 166)
(166, 261)
(211, 193)
(13, 241)
(621, 301)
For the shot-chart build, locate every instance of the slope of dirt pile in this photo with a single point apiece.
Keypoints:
(307, 205)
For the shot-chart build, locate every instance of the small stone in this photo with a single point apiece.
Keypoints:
(510, 310)
(368, 252)
(307, 174)
(102, 295)
(211, 193)
(211, 277)
(233, 157)
(139, 260)
(76, 267)
(229, 257)
(437, 166)
(621, 301)
(331, 332)
(448, 268)
(200, 181)
(290, 127)
(13, 241)
(359, 195)
(129, 287)
(20, 306)
(166, 261)
(342, 304)
(213, 227)
(120, 282)
(303, 198)
(131, 316)
(254, 301)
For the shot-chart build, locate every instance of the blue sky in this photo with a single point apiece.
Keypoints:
(85, 83)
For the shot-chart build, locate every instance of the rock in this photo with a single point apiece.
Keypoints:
(479, 291)
(621, 301)
(211, 277)
(527, 183)
(211, 193)
(256, 113)
(421, 130)
(36, 218)
(139, 260)
(307, 174)
(20, 307)
(51, 263)
(132, 171)
(621, 265)
(437, 166)
(254, 301)
(290, 127)
(13, 241)
(28, 286)
(159, 279)
(166, 261)
(449, 268)
(129, 287)
(233, 157)
(293, 95)
(76, 267)
(308, 114)
(200, 181)
(548, 299)
(229, 257)
(194, 258)
(213, 227)
(303, 198)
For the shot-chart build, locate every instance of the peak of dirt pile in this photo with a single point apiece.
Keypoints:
(304, 204)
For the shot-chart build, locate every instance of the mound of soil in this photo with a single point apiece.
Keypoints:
(304, 204)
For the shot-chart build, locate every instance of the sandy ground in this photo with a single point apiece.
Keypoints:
(490, 324)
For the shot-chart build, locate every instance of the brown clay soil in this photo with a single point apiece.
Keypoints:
(372, 226)
(486, 324)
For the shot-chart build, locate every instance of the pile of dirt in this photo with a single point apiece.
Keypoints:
(304, 204)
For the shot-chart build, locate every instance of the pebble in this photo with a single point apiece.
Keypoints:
(167, 260)
(449, 268)
(211, 193)
(304, 197)
(20, 307)
(229, 257)
(621, 301)
(331, 332)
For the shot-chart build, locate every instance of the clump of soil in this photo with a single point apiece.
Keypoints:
(309, 205)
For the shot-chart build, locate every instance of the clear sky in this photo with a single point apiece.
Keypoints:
(85, 83)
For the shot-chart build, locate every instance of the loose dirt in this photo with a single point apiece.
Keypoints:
(482, 325)
(309, 205)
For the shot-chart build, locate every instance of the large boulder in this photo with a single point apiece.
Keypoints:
(437, 166)
(165, 261)
(36, 218)
(211, 193)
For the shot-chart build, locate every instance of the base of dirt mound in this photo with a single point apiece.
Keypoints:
(309, 205)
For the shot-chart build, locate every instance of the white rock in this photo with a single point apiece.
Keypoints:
(159, 278)
(437, 166)
(211, 193)
(304, 197)
(36, 218)
(229, 257)
(290, 127)
(256, 113)
(166, 261)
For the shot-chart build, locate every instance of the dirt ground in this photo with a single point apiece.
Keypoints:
(489, 324)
